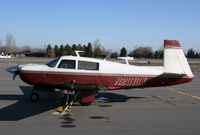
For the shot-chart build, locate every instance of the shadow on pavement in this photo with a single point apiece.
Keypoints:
(24, 108)
(113, 97)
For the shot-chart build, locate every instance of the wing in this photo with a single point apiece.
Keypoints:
(76, 86)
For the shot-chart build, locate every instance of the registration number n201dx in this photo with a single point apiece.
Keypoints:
(130, 81)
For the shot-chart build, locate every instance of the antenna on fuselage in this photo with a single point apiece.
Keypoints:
(77, 53)
(106, 57)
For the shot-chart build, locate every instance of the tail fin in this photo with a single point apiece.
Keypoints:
(174, 59)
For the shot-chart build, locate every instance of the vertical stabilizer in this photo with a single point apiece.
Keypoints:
(174, 58)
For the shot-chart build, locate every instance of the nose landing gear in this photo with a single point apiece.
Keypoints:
(34, 97)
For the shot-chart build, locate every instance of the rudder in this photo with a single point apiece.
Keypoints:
(174, 59)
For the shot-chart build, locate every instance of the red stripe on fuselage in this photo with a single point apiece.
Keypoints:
(113, 81)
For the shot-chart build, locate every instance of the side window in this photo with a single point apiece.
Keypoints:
(85, 65)
(68, 64)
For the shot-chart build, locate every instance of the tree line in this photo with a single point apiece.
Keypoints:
(97, 51)
(192, 54)
(94, 49)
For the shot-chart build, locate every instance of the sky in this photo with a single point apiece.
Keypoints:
(115, 23)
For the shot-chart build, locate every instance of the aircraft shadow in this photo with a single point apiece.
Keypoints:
(24, 108)
(113, 97)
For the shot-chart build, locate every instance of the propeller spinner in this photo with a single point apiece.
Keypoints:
(14, 70)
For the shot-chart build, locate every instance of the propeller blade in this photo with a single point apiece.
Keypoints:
(14, 76)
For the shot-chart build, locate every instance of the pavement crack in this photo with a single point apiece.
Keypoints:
(160, 99)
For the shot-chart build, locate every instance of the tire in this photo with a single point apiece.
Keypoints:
(34, 97)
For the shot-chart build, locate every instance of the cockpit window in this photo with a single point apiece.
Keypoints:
(85, 65)
(53, 62)
(68, 64)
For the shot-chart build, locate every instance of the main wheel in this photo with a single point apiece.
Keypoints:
(34, 97)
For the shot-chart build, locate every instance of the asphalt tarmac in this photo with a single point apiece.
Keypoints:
(150, 111)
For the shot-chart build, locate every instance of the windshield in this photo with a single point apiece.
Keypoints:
(53, 62)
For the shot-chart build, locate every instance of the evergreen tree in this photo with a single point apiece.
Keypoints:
(196, 55)
(123, 52)
(74, 47)
(68, 50)
(84, 49)
(114, 55)
(191, 53)
(61, 50)
(88, 50)
(79, 47)
(158, 54)
(49, 51)
(56, 51)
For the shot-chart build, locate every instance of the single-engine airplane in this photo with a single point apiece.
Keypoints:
(87, 76)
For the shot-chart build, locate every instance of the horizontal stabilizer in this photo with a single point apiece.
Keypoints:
(176, 75)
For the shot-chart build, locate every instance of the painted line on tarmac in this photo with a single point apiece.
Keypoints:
(164, 99)
(189, 87)
(184, 94)
(152, 99)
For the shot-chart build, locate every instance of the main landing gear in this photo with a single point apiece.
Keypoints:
(34, 96)
(68, 104)
(85, 97)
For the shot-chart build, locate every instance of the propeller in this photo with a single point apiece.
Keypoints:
(15, 74)
(14, 70)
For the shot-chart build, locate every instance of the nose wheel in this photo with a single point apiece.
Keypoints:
(34, 97)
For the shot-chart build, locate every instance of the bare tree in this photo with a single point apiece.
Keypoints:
(142, 52)
(26, 48)
(1, 43)
(11, 44)
(96, 48)
(99, 50)
(5, 50)
(10, 41)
